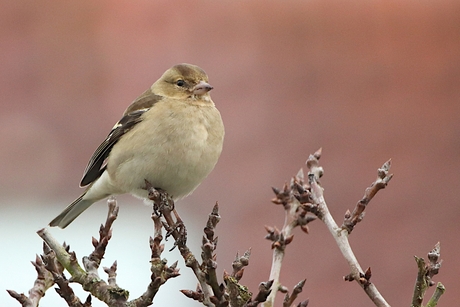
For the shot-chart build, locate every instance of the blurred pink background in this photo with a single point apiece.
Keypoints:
(365, 80)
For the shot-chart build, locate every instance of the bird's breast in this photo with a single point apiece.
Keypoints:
(174, 149)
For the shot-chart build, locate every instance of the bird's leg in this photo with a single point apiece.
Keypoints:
(163, 205)
(174, 227)
(179, 228)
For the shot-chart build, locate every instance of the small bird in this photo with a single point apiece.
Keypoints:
(171, 136)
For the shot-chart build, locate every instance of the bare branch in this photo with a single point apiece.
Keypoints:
(264, 292)
(440, 289)
(160, 271)
(42, 283)
(302, 200)
(383, 177)
(294, 198)
(112, 295)
(164, 204)
(239, 263)
(93, 261)
(57, 270)
(289, 299)
(209, 245)
(209, 291)
(341, 235)
(425, 275)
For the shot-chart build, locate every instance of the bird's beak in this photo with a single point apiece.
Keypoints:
(202, 88)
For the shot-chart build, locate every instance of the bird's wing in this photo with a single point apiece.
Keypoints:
(132, 116)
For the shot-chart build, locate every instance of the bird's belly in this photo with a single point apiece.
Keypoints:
(175, 168)
(179, 175)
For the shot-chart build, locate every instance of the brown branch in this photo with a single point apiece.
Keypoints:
(289, 299)
(239, 263)
(209, 292)
(164, 207)
(50, 272)
(320, 208)
(108, 292)
(262, 295)
(383, 177)
(57, 270)
(93, 261)
(209, 245)
(43, 282)
(112, 296)
(299, 198)
(295, 215)
(161, 273)
(311, 199)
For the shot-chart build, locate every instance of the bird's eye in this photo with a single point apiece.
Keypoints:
(180, 82)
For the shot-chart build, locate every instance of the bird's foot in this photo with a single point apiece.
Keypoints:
(179, 232)
(163, 206)
(161, 199)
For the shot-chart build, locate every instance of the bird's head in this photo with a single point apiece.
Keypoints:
(183, 81)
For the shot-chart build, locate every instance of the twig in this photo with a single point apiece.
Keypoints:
(160, 271)
(209, 245)
(239, 263)
(57, 270)
(262, 295)
(43, 282)
(209, 292)
(295, 215)
(424, 278)
(438, 292)
(108, 292)
(165, 205)
(93, 261)
(112, 296)
(351, 219)
(289, 299)
(341, 234)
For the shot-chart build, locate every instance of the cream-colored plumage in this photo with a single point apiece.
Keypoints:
(171, 135)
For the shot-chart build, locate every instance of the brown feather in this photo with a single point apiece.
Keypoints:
(132, 116)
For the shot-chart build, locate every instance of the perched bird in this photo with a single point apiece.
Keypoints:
(171, 136)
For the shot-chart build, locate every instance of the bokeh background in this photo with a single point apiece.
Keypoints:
(364, 80)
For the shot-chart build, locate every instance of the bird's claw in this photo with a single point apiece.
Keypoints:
(161, 199)
(179, 227)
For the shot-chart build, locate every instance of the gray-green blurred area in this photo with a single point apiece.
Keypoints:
(364, 80)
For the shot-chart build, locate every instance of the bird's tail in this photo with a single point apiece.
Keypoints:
(71, 212)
